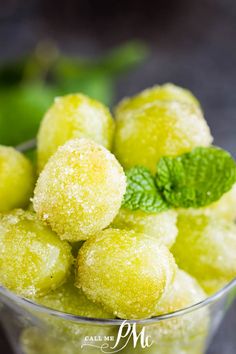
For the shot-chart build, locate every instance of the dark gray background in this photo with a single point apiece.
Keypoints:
(193, 43)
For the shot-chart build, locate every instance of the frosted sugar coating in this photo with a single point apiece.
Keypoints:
(167, 92)
(206, 248)
(186, 330)
(80, 190)
(160, 128)
(33, 260)
(16, 179)
(73, 116)
(162, 225)
(125, 271)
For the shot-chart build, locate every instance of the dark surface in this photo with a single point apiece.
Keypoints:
(192, 42)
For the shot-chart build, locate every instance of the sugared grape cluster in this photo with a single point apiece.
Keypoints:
(77, 248)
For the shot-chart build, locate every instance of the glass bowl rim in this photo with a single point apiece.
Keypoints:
(104, 321)
(31, 144)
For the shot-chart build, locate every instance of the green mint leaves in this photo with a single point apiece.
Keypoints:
(197, 178)
(191, 180)
(142, 193)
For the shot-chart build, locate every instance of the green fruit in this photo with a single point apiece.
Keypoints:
(69, 299)
(181, 334)
(125, 271)
(158, 129)
(73, 116)
(80, 190)
(206, 247)
(184, 334)
(16, 179)
(33, 260)
(166, 92)
(161, 226)
(184, 292)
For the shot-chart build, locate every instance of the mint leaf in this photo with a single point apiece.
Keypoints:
(197, 178)
(142, 193)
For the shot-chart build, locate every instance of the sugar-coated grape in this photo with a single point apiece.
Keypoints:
(183, 334)
(80, 190)
(125, 271)
(182, 331)
(73, 116)
(162, 226)
(33, 260)
(69, 299)
(167, 92)
(212, 286)
(158, 129)
(184, 292)
(16, 179)
(206, 247)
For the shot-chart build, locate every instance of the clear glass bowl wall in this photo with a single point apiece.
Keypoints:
(34, 329)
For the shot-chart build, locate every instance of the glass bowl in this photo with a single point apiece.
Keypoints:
(35, 329)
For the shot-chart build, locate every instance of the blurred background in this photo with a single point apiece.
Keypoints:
(110, 49)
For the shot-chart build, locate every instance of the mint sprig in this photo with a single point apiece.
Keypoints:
(197, 178)
(141, 192)
(191, 180)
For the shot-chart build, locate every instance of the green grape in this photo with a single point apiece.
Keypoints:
(125, 271)
(69, 299)
(80, 190)
(16, 179)
(73, 116)
(184, 292)
(162, 226)
(166, 92)
(206, 247)
(212, 286)
(181, 334)
(33, 260)
(158, 129)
